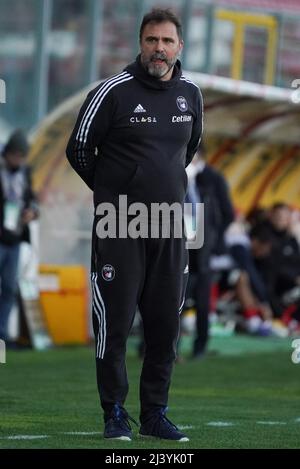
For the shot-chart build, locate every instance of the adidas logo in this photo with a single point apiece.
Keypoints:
(139, 108)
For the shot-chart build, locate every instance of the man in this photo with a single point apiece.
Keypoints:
(247, 251)
(146, 124)
(208, 186)
(18, 206)
(281, 269)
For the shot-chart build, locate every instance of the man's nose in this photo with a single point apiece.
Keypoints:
(159, 46)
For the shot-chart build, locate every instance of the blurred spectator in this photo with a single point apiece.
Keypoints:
(249, 285)
(208, 186)
(256, 215)
(18, 207)
(295, 224)
(281, 269)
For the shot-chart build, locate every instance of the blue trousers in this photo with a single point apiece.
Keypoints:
(9, 259)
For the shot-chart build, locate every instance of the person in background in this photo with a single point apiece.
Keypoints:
(18, 207)
(208, 186)
(246, 251)
(281, 269)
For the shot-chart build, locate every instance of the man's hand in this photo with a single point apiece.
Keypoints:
(28, 215)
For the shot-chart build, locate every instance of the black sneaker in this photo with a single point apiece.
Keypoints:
(158, 426)
(117, 426)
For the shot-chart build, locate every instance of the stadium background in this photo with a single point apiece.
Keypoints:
(52, 49)
(245, 56)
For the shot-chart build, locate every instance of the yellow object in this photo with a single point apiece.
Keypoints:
(64, 299)
(241, 20)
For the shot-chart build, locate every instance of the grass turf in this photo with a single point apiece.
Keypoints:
(251, 386)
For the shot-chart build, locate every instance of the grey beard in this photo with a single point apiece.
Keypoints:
(159, 71)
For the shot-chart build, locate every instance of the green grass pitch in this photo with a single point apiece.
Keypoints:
(247, 396)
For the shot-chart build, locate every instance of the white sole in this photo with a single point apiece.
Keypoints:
(121, 438)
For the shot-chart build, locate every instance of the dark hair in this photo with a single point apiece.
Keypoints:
(17, 142)
(280, 205)
(159, 15)
(256, 215)
(262, 233)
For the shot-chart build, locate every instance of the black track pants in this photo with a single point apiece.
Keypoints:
(150, 273)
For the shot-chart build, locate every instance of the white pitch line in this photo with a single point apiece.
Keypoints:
(82, 433)
(24, 437)
(266, 422)
(181, 427)
(220, 424)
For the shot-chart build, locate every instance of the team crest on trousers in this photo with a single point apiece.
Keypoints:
(108, 272)
(182, 103)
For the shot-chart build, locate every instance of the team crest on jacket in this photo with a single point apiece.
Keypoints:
(108, 272)
(182, 103)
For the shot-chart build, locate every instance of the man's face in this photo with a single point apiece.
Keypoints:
(260, 249)
(160, 48)
(15, 160)
(281, 218)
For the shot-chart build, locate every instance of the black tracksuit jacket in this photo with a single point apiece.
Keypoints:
(135, 134)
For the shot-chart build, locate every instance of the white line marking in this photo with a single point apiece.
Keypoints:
(24, 437)
(263, 422)
(82, 433)
(181, 427)
(220, 424)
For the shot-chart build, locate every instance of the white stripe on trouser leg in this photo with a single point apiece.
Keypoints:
(95, 309)
(98, 302)
(181, 306)
(100, 315)
(104, 318)
(99, 309)
(99, 299)
(94, 99)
